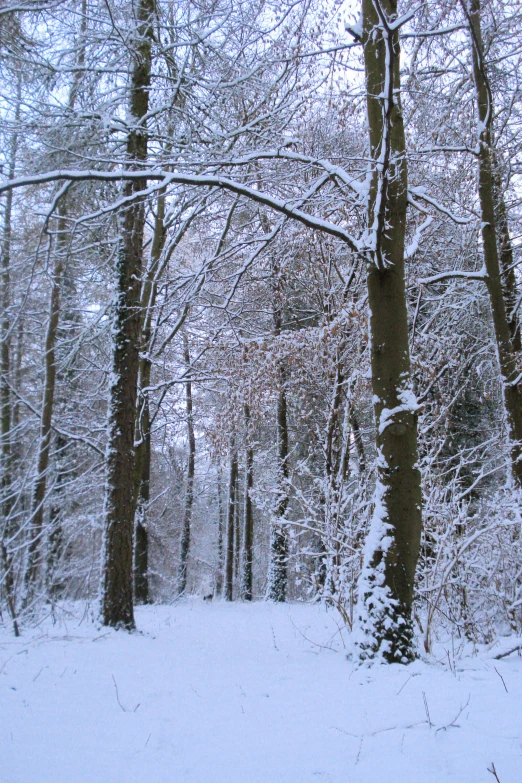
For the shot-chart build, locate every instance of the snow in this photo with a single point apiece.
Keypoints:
(408, 404)
(375, 602)
(228, 693)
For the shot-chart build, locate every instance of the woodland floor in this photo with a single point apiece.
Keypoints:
(238, 693)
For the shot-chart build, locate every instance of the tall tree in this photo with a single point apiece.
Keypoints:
(277, 570)
(142, 466)
(392, 547)
(495, 235)
(117, 576)
(191, 467)
(6, 418)
(231, 515)
(248, 537)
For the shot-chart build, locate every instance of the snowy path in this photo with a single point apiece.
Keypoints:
(237, 694)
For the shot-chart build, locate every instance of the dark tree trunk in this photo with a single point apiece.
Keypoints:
(6, 457)
(221, 529)
(189, 492)
(384, 622)
(231, 513)
(44, 444)
(55, 538)
(248, 539)
(277, 570)
(278, 577)
(237, 538)
(117, 577)
(507, 266)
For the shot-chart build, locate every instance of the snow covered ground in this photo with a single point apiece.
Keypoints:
(236, 693)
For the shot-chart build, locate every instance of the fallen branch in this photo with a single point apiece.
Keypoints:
(508, 652)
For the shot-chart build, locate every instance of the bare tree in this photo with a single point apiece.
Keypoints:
(117, 577)
(392, 548)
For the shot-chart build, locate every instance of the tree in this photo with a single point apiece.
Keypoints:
(231, 519)
(392, 549)
(492, 211)
(117, 587)
(189, 488)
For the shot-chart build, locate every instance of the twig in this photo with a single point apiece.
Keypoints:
(310, 641)
(41, 670)
(5, 663)
(102, 636)
(453, 723)
(494, 772)
(501, 677)
(118, 697)
(415, 674)
(427, 709)
(359, 752)
(343, 731)
(273, 637)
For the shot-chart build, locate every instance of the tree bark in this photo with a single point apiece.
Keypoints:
(5, 393)
(384, 614)
(55, 544)
(44, 443)
(248, 538)
(490, 213)
(507, 265)
(277, 575)
(117, 570)
(277, 570)
(143, 425)
(142, 472)
(221, 528)
(189, 492)
(237, 538)
(229, 551)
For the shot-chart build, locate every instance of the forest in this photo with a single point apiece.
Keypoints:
(260, 310)
(260, 338)
(260, 323)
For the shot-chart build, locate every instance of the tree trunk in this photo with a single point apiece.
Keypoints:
(384, 624)
(277, 570)
(221, 527)
(489, 214)
(44, 443)
(232, 489)
(6, 422)
(55, 546)
(277, 575)
(5, 394)
(237, 538)
(143, 449)
(189, 493)
(5, 358)
(248, 539)
(507, 265)
(142, 472)
(117, 570)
